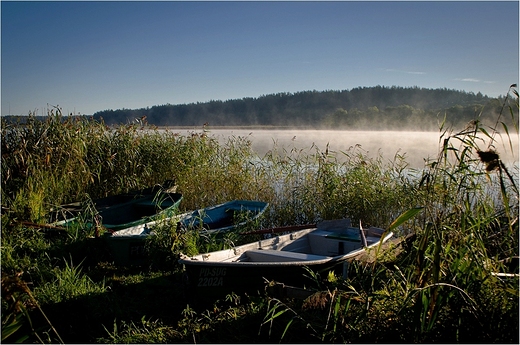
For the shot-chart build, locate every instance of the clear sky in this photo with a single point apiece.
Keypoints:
(92, 56)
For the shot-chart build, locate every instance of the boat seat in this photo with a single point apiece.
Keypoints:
(269, 255)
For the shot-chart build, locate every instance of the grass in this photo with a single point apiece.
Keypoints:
(64, 288)
(67, 283)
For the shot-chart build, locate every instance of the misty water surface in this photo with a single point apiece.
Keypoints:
(416, 146)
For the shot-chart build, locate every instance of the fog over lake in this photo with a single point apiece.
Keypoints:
(417, 146)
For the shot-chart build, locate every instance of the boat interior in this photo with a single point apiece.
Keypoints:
(313, 244)
(138, 208)
(221, 216)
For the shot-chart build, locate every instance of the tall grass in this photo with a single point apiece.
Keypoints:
(440, 289)
(443, 289)
(67, 283)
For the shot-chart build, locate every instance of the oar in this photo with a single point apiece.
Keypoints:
(47, 228)
(43, 226)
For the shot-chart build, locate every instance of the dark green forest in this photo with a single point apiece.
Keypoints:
(359, 108)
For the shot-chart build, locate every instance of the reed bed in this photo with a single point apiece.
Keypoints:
(440, 289)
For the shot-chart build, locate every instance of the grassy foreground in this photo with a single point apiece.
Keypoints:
(65, 289)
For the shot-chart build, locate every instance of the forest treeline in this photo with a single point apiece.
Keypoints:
(376, 107)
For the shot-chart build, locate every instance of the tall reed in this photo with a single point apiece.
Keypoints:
(441, 289)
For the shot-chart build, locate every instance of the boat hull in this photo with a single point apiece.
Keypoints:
(133, 210)
(139, 212)
(223, 217)
(127, 250)
(286, 259)
(128, 245)
(219, 280)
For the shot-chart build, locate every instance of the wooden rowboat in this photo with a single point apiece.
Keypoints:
(214, 219)
(128, 245)
(223, 217)
(124, 210)
(281, 258)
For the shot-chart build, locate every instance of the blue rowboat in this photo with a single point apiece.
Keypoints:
(128, 245)
(223, 217)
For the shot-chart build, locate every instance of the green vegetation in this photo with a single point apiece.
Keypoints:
(63, 287)
(369, 108)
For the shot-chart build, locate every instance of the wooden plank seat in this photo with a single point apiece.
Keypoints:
(269, 255)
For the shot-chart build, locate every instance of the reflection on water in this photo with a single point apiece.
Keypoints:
(416, 146)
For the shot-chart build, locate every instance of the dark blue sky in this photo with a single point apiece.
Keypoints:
(91, 56)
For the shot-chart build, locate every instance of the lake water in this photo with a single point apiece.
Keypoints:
(417, 146)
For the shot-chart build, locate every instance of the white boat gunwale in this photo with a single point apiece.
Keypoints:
(238, 256)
